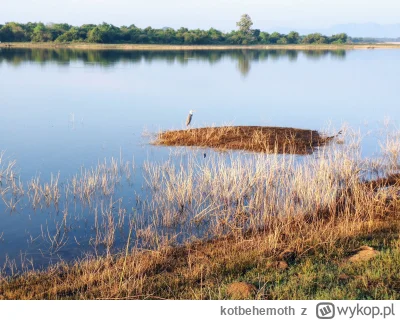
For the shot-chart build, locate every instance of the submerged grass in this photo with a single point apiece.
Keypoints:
(240, 219)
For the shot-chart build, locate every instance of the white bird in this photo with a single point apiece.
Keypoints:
(189, 118)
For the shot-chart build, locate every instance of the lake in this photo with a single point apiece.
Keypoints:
(65, 111)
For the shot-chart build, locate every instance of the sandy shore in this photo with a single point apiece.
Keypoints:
(138, 47)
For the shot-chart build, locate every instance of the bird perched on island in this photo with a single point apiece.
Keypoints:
(189, 118)
(335, 136)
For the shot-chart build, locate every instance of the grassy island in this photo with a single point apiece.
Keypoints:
(249, 138)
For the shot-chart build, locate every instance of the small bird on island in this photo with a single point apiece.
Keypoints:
(189, 118)
(336, 135)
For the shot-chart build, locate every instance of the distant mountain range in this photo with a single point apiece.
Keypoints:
(373, 30)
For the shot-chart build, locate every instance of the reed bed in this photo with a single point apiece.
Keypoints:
(229, 194)
(203, 218)
(249, 138)
(11, 188)
(70, 204)
(84, 187)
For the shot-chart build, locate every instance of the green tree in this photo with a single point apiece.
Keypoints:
(84, 31)
(134, 34)
(264, 37)
(104, 33)
(28, 29)
(57, 29)
(246, 34)
(315, 38)
(124, 33)
(282, 40)
(256, 34)
(293, 37)
(338, 38)
(245, 24)
(95, 35)
(12, 31)
(69, 36)
(215, 35)
(274, 37)
(6, 34)
(41, 34)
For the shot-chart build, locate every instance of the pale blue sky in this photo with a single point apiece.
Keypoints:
(221, 14)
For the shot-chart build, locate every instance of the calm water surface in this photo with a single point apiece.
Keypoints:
(63, 110)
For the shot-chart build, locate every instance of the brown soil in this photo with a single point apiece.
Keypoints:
(250, 138)
(280, 265)
(241, 290)
(364, 253)
(393, 179)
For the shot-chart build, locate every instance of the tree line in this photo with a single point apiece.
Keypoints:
(108, 33)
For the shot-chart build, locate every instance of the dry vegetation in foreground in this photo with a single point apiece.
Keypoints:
(283, 229)
(249, 138)
(315, 255)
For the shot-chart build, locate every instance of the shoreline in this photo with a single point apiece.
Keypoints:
(144, 47)
(232, 267)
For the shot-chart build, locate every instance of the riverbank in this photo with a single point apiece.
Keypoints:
(323, 260)
(145, 47)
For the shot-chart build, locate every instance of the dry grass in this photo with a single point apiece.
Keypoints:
(210, 222)
(250, 138)
(204, 270)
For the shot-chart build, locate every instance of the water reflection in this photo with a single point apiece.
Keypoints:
(244, 64)
(108, 58)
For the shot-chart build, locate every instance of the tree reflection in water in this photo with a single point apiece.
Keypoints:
(109, 58)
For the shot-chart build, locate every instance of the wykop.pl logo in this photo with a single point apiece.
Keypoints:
(325, 310)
